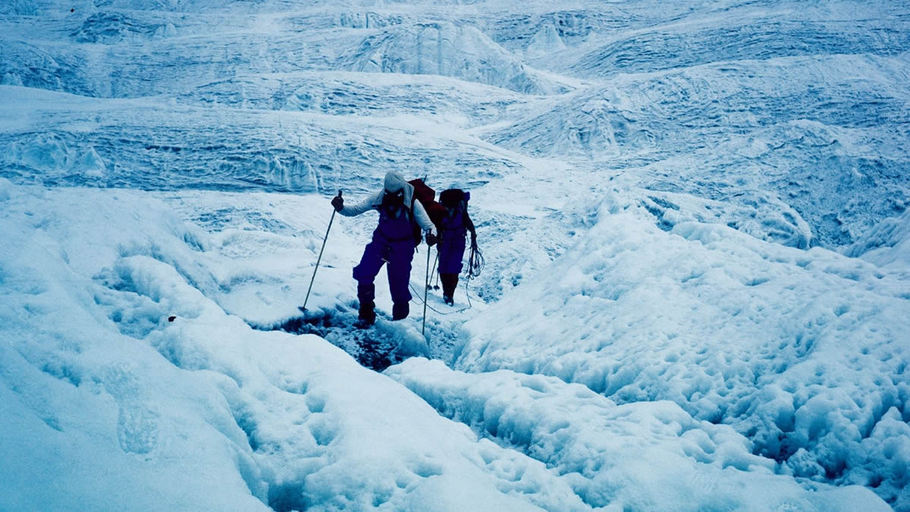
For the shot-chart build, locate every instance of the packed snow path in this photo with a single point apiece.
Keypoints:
(697, 291)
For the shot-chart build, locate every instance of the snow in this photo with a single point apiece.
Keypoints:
(292, 421)
(734, 330)
(640, 456)
(693, 216)
(887, 244)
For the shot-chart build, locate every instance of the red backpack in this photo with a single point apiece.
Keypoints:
(427, 197)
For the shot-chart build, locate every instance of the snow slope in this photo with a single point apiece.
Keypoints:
(696, 293)
(802, 351)
(292, 421)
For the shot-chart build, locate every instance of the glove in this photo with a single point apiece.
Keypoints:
(431, 239)
(338, 203)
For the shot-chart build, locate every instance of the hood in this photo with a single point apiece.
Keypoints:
(394, 182)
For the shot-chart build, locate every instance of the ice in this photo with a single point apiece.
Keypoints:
(291, 421)
(92, 415)
(693, 216)
(886, 244)
(734, 330)
(641, 456)
(446, 49)
(262, 150)
(769, 155)
(546, 40)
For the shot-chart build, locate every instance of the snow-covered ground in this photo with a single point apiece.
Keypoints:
(693, 215)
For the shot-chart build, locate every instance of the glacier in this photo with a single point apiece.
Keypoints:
(694, 219)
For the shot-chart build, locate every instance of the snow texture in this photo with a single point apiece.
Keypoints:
(693, 215)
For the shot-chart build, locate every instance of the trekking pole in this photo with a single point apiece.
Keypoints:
(436, 284)
(303, 309)
(426, 289)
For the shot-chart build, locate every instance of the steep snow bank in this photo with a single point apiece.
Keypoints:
(804, 352)
(639, 456)
(109, 403)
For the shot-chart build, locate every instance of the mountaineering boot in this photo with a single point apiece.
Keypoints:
(400, 310)
(367, 315)
(449, 282)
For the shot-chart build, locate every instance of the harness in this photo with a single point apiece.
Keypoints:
(396, 221)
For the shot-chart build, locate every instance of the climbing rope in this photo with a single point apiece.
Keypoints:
(475, 267)
(415, 298)
(475, 261)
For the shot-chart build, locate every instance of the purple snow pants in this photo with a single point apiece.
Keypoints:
(398, 255)
(451, 251)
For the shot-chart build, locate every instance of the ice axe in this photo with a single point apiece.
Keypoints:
(303, 308)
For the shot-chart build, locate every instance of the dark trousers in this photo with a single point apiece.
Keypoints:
(398, 255)
(449, 282)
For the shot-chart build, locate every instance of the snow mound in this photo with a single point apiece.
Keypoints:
(763, 215)
(886, 244)
(545, 41)
(641, 456)
(117, 359)
(589, 124)
(91, 415)
(734, 330)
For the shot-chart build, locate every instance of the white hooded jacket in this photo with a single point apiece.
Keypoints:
(393, 183)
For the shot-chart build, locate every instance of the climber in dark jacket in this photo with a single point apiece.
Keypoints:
(401, 218)
(453, 227)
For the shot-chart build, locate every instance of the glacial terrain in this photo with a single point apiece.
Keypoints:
(693, 218)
